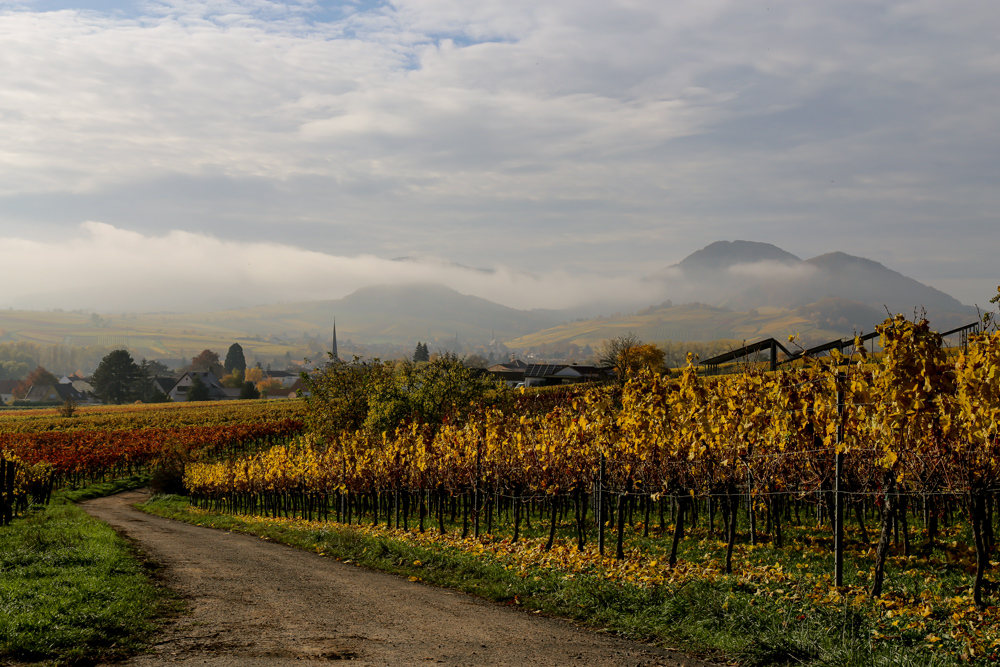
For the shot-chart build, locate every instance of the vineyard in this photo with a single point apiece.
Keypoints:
(878, 463)
(41, 450)
(882, 455)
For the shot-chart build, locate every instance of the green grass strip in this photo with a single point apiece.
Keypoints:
(71, 589)
(102, 489)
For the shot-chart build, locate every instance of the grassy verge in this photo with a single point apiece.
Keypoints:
(71, 589)
(777, 608)
(102, 489)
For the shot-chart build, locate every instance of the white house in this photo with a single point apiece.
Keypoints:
(216, 392)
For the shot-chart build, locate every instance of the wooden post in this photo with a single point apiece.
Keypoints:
(600, 506)
(838, 536)
(475, 496)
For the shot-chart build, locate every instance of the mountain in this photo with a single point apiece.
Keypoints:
(401, 313)
(745, 275)
(734, 290)
(724, 254)
(746, 290)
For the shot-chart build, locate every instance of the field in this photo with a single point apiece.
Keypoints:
(40, 450)
(877, 465)
(71, 590)
(842, 513)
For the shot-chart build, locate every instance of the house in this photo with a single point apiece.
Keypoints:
(299, 386)
(54, 393)
(512, 372)
(163, 383)
(7, 391)
(216, 392)
(286, 378)
(84, 388)
(538, 375)
(289, 392)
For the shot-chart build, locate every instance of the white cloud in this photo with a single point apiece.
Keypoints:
(107, 268)
(617, 133)
(773, 270)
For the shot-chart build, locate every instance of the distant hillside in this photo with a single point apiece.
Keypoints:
(393, 315)
(757, 290)
(743, 275)
(842, 276)
(723, 254)
(689, 322)
(733, 290)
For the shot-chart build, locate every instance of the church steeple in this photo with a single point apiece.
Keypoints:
(335, 358)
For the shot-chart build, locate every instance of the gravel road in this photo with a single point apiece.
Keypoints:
(252, 602)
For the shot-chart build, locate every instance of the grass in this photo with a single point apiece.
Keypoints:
(72, 591)
(102, 489)
(778, 607)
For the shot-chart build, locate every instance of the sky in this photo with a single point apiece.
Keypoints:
(233, 152)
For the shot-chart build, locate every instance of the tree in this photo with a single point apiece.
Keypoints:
(156, 367)
(117, 378)
(198, 390)
(420, 353)
(380, 396)
(249, 391)
(207, 361)
(269, 385)
(40, 377)
(234, 380)
(648, 356)
(340, 395)
(235, 359)
(627, 355)
(11, 370)
(475, 361)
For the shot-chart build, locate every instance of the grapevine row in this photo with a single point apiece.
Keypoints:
(916, 431)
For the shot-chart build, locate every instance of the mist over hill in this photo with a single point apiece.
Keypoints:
(747, 290)
(745, 275)
(733, 290)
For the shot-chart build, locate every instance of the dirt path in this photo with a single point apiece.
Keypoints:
(253, 602)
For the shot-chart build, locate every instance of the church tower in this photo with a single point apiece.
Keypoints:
(335, 358)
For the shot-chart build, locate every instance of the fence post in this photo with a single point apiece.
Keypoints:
(838, 536)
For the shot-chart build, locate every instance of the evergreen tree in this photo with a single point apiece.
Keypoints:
(420, 353)
(235, 360)
(117, 378)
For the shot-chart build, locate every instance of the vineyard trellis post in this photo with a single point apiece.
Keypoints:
(475, 493)
(838, 536)
(600, 505)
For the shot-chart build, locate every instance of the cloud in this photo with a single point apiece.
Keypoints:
(773, 270)
(109, 269)
(583, 135)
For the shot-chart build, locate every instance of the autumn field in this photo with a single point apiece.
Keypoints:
(843, 512)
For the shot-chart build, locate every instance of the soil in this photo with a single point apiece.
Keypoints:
(252, 602)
